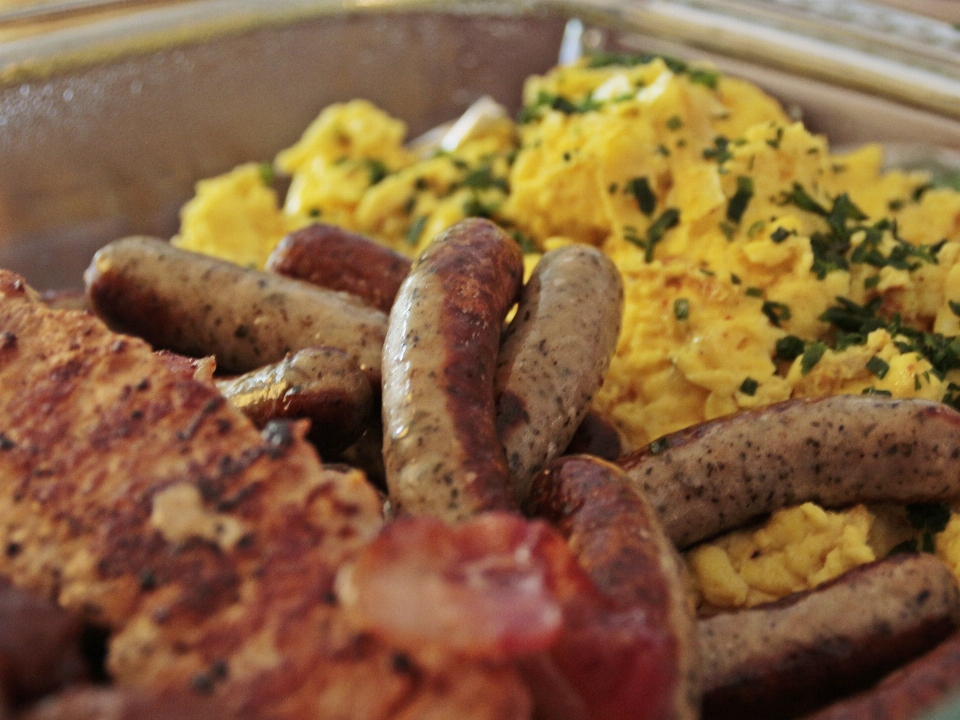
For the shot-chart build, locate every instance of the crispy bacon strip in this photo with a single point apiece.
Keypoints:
(486, 588)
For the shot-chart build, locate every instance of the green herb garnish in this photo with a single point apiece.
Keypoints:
(776, 312)
(811, 356)
(639, 187)
(878, 367)
(738, 203)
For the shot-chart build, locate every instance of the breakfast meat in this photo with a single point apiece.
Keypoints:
(138, 498)
(916, 688)
(836, 451)
(331, 257)
(440, 444)
(322, 384)
(198, 306)
(41, 646)
(789, 657)
(553, 356)
(102, 703)
(634, 652)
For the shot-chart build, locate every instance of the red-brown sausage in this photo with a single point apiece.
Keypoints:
(596, 436)
(441, 449)
(834, 451)
(639, 657)
(786, 658)
(335, 258)
(322, 384)
(554, 355)
(199, 305)
(908, 693)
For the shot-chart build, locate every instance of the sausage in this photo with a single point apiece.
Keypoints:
(834, 451)
(907, 693)
(335, 258)
(639, 658)
(441, 451)
(322, 384)
(40, 644)
(554, 355)
(786, 658)
(596, 435)
(199, 305)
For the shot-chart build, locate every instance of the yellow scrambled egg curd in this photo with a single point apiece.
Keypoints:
(758, 266)
(796, 549)
(801, 547)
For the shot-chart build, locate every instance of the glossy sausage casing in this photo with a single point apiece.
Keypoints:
(834, 451)
(441, 449)
(554, 355)
(335, 258)
(321, 384)
(639, 657)
(198, 305)
(786, 658)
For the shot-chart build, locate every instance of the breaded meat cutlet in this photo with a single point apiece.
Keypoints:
(133, 494)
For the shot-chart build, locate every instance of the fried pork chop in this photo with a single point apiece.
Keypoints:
(132, 493)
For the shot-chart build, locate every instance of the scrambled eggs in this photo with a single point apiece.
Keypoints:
(758, 266)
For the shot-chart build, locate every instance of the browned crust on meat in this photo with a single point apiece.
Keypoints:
(323, 385)
(908, 692)
(618, 540)
(97, 436)
(597, 436)
(786, 658)
(331, 257)
(834, 451)
(440, 443)
(198, 305)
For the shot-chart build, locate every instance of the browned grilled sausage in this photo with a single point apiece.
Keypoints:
(618, 540)
(331, 257)
(834, 451)
(786, 658)
(322, 384)
(198, 305)
(554, 355)
(40, 644)
(908, 693)
(441, 449)
(596, 436)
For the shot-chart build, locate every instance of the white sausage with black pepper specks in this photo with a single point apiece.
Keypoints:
(198, 305)
(834, 451)
(554, 354)
(786, 658)
(440, 446)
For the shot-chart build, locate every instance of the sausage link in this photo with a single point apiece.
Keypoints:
(834, 451)
(322, 384)
(198, 305)
(554, 355)
(596, 435)
(441, 450)
(331, 257)
(786, 658)
(617, 539)
(908, 693)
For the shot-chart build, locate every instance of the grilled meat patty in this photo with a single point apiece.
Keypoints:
(132, 493)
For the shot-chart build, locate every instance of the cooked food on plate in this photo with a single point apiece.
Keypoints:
(345, 459)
